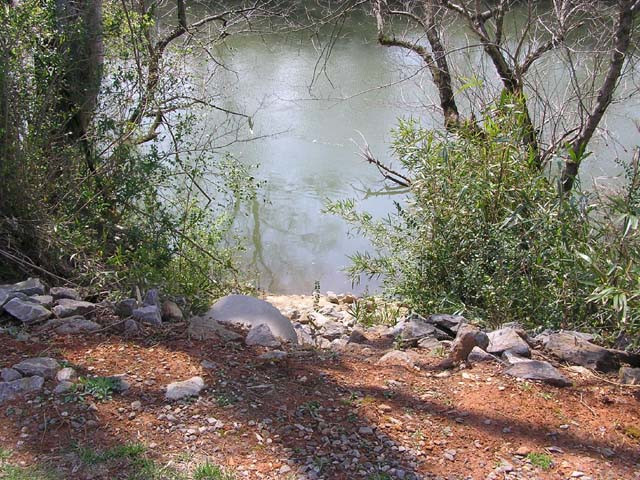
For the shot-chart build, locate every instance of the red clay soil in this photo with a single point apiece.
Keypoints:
(339, 412)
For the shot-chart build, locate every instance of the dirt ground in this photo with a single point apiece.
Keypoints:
(317, 414)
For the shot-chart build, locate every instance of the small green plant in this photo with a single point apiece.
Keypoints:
(225, 399)
(210, 471)
(100, 388)
(311, 407)
(440, 351)
(380, 476)
(540, 460)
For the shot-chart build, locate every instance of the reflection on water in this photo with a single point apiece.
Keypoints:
(315, 158)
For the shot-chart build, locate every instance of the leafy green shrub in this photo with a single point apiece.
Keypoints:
(540, 460)
(210, 471)
(484, 232)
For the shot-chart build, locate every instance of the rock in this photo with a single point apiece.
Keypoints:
(77, 324)
(339, 344)
(304, 334)
(31, 286)
(467, 338)
(430, 343)
(416, 327)
(274, 355)
(204, 328)
(261, 335)
(25, 311)
(537, 370)
(332, 298)
(184, 389)
(125, 308)
(629, 376)
(45, 300)
(45, 367)
(149, 314)
(318, 319)
(171, 311)
(249, 311)
(64, 292)
(66, 374)
(348, 299)
(508, 338)
(358, 336)
(151, 298)
(10, 390)
(398, 358)
(67, 307)
(478, 355)
(9, 374)
(511, 358)
(131, 327)
(577, 351)
(446, 322)
(63, 387)
(136, 405)
(332, 330)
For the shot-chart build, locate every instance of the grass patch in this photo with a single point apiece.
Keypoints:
(100, 388)
(540, 460)
(131, 460)
(210, 471)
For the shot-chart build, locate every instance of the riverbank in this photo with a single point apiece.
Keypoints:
(186, 395)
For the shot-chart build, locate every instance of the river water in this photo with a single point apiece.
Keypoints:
(311, 120)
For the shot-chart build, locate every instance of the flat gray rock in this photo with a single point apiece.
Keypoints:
(149, 314)
(10, 390)
(261, 335)
(45, 300)
(249, 311)
(152, 298)
(63, 387)
(67, 374)
(25, 311)
(9, 374)
(125, 308)
(478, 355)
(508, 338)
(77, 325)
(67, 307)
(204, 328)
(576, 351)
(184, 389)
(31, 286)
(45, 367)
(446, 321)
(64, 292)
(540, 371)
(332, 330)
(398, 358)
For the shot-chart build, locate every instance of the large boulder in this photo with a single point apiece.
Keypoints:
(249, 312)
(540, 371)
(577, 351)
(416, 328)
(508, 338)
(25, 311)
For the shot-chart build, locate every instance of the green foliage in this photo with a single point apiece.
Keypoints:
(100, 388)
(210, 471)
(483, 232)
(131, 202)
(540, 460)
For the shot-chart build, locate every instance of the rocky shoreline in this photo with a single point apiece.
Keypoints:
(325, 323)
